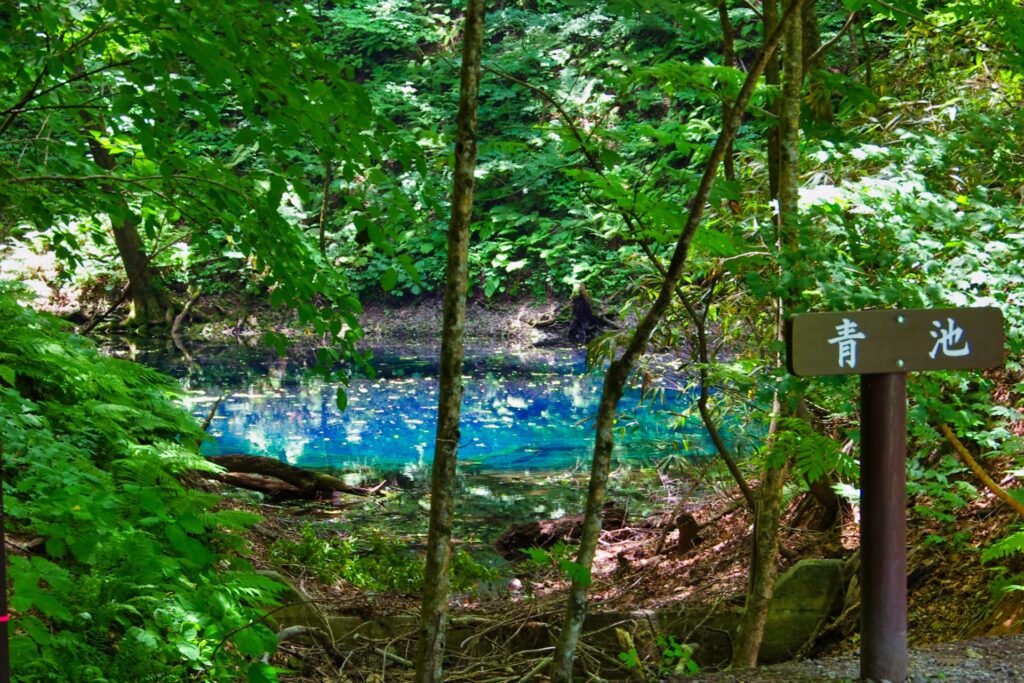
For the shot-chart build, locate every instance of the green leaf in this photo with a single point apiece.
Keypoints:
(538, 556)
(255, 641)
(262, 673)
(576, 571)
(389, 279)
(189, 651)
(23, 649)
(56, 547)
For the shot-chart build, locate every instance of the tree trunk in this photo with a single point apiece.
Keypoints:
(820, 101)
(770, 19)
(586, 322)
(728, 59)
(150, 303)
(324, 203)
(433, 614)
(619, 370)
(765, 551)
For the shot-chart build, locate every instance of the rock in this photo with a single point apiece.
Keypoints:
(805, 597)
(296, 608)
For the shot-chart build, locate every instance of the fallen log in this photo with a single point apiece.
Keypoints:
(548, 532)
(301, 483)
(275, 489)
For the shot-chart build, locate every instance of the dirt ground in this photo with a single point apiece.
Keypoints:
(993, 659)
(950, 601)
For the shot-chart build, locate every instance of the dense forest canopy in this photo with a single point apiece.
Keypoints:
(260, 154)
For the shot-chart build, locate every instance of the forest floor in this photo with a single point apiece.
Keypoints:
(950, 601)
(957, 630)
(953, 632)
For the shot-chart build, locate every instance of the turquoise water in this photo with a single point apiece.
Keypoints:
(521, 412)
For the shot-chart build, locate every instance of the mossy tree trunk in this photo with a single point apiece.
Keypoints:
(770, 21)
(150, 303)
(433, 614)
(765, 550)
(619, 370)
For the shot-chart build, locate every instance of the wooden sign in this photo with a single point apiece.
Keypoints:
(874, 342)
(882, 347)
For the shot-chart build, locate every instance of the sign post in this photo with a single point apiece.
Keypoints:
(883, 527)
(881, 347)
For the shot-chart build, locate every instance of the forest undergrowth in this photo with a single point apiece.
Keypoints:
(950, 594)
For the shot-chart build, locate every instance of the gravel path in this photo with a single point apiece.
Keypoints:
(997, 659)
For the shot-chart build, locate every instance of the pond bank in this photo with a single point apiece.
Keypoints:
(507, 324)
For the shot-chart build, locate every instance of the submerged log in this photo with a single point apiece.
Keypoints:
(294, 482)
(548, 532)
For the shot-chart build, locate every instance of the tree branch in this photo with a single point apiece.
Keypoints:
(827, 45)
(979, 472)
(97, 319)
(186, 309)
(700, 323)
(12, 112)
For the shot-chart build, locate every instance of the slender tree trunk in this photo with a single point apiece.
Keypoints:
(764, 556)
(620, 369)
(328, 179)
(867, 54)
(433, 615)
(728, 59)
(854, 52)
(150, 303)
(770, 19)
(820, 101)
(765, 551)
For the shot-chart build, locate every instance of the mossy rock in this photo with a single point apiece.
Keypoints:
(805, 597)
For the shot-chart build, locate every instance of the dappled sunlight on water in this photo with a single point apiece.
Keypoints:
(520, 412)
(527, 429)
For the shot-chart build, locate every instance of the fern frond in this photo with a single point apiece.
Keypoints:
(1011, 545)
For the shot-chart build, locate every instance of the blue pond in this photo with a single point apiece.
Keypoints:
(521, 412)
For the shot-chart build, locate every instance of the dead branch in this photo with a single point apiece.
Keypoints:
(185, 311)
(100, 317)
(979, 472)
(213, 411)
(316, 635)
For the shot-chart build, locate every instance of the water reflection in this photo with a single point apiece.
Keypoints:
(520, 412)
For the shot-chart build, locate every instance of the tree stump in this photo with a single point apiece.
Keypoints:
(586, 323)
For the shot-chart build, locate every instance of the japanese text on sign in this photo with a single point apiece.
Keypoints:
(867, 342)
